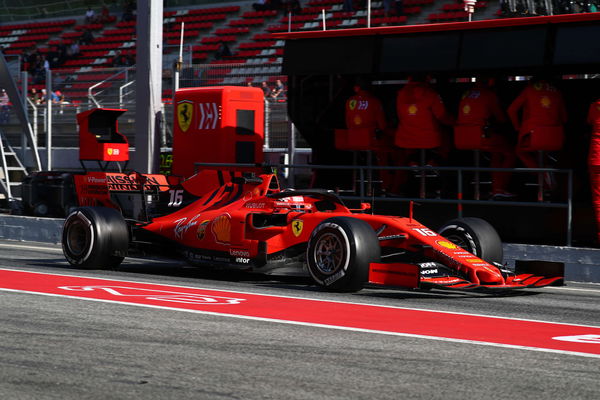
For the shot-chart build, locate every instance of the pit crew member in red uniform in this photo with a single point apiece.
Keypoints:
(365, 111)
(421, 111)
(421, 116)
(543, 116)
(480, 125)
(594, 161)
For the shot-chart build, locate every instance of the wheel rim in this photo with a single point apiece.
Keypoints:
(77, 238)
(460, 240)
(329, 253)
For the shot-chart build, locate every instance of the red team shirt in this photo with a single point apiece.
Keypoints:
(542, 105)
(478, 106)
(594, 120)
(420, 110)
(364, 110)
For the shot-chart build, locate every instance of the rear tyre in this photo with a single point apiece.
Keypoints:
(95, 237)
(476, 236)
(339, 252)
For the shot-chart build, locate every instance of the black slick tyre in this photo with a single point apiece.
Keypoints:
(339, 252)
(476, 236)
(95, 237)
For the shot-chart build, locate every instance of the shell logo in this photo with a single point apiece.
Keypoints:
(466, 109)
(412, 109)
(447, 245)
(357, 120)
(545, 102)
(221, 228)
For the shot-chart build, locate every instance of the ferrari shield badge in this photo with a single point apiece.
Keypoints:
(297, 226)
(185, 112)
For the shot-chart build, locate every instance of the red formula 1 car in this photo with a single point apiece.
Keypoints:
(247, 222)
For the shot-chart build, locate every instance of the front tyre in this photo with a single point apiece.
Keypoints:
(476, 236)
(95, 237)
(339, 252)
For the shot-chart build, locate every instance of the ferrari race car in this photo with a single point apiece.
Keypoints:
(246, 221)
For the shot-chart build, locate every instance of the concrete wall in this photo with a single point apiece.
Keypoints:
(31, 229)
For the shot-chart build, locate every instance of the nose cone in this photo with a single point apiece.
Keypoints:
(490, 276)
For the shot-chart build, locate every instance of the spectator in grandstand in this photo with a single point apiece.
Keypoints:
(222, 51)
(4, 107)
(87, 37)
(57, 97)
(130, 59)
(34, 96)
(25, 59)
(398, 7)
(120, 60)
(90, 16)
(538, 114)
(387, 7)
(74, 50)
(292, 6)
(128, 12)
(38, 70)
(348, 6)
(63, 53)
(43, 97)
(54, 58)
(481, 125)
(104, 16)
(275, 4)
(261, 5)
(593, 119)
(265, 88)
(278, 91)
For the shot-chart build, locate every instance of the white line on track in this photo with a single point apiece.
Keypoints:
(59, 250)
(343, 328)
(29, 247)
(593, 290)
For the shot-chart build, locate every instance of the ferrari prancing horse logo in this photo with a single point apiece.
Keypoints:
(297, 226)
(185, 112)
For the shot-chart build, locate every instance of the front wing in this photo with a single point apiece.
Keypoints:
(410, 276)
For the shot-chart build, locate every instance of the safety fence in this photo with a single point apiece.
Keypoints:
(253, 72)
(89, 87)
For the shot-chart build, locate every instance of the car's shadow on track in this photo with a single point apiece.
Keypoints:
(181, 270)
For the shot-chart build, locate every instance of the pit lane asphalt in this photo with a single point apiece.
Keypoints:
(58, 348)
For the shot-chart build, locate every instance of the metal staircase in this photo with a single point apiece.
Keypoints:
(12, 171)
